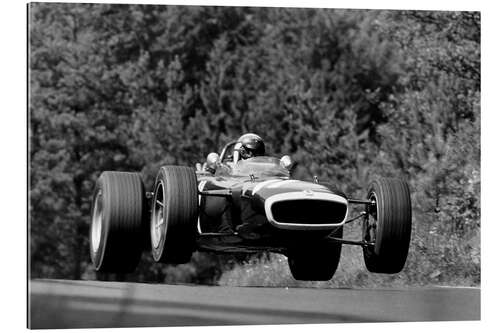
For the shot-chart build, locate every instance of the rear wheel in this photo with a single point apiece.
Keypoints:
(174, 215)
(315, 260)
(117, 230)
(388, 226)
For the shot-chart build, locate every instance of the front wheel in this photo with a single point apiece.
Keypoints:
(387, 226)
(174, 215)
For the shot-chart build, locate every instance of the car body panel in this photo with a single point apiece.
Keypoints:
(255, 189)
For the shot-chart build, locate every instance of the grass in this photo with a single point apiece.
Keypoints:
(433, 260)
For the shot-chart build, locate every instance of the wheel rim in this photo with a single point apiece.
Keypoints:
(158, 221)
(370, 223)
(97, 223)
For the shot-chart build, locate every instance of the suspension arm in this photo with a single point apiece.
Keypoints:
(217, 193)
(359, 201)
(355, 217)
(350, 242)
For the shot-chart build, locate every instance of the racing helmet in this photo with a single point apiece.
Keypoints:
(250, 145)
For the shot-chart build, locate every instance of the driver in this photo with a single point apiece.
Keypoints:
(248, 145)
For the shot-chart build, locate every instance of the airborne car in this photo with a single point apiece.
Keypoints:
(248, 205)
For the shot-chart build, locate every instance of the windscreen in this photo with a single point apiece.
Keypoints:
(260, 167)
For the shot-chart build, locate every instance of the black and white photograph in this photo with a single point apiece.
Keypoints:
(228, 165)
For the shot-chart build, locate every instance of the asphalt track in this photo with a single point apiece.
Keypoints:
(86, 304)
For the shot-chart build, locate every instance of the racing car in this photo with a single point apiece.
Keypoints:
(245, 206)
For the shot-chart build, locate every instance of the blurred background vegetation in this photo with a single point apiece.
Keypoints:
(349, 94)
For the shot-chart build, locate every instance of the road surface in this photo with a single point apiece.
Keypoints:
(86, 304)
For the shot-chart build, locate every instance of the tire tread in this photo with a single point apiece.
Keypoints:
(181, 194)
(124, 210)
(393, 226)
(317, 260)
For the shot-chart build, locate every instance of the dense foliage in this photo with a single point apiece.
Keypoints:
(349, 94)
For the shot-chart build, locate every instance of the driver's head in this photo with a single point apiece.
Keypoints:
(250, 145)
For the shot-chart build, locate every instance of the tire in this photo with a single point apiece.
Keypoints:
(388, 225)
(316, 260)
(174, 215)
(118, 227)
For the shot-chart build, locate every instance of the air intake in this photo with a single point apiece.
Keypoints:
(309, 212)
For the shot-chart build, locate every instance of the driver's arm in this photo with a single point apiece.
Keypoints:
(223, 170)
(236, 153)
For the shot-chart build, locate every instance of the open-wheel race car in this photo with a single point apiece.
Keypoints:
(249, 205)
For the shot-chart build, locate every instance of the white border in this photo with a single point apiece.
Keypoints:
(13, 140)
